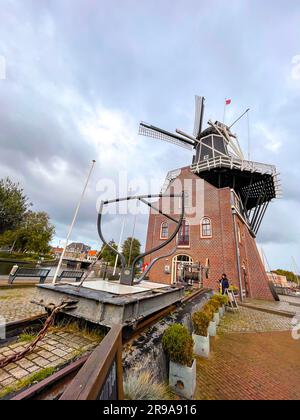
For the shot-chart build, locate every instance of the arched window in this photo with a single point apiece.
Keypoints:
(164, 230)
(206, 228)
(184, 234)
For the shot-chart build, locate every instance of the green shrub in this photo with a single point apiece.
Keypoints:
(209, 311)
(221, 299)
(201, 322)
(214, 304)
(178, 344)
(234, 289)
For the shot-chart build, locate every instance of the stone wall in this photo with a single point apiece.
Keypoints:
(146, 351)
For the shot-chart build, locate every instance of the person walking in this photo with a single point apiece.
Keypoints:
(224, 284)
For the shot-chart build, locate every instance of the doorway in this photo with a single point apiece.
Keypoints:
(177, 263)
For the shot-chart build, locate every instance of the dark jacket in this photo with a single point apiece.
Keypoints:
(224, 284)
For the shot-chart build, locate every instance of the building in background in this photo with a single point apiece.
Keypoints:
(92, 256)
(278, 280)
(77, 250)
(57, 251)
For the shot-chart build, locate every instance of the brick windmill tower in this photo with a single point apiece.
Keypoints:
(227, 197)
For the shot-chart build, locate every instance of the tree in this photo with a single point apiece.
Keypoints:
(13, 205)
(107, 254)
(34, 234)
(131, 249)
(8, 238)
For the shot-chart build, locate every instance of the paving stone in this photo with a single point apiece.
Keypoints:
(7, 353)
(24, 363)
(53, 358)
(250, 320)
(45, 354)
(31, 356)
(7, 381)
(48, 347)
(19, 373)
(17, 306)
(33, 368)
(59, 353)
(253, 357)
(40, 361)
(3, 375)
(11, 366)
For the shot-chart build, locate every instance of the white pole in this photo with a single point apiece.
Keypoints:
(296, 270)
(73, 222)
(119, 246)
(249, 145)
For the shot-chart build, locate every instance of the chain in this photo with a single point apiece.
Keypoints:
(50, 320)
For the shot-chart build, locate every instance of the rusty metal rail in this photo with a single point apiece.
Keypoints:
(15, 328)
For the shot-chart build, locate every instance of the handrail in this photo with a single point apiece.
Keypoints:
(233, 162)
(103, 370)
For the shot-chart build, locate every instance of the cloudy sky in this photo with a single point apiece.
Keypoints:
(77, 76)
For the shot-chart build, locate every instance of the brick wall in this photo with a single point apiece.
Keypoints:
(220, 248)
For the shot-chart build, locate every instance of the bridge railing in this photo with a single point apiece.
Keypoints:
(101, 376)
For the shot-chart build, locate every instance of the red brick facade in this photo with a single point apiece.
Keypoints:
(228, 230)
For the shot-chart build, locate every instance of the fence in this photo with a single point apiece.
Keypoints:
(101, 376)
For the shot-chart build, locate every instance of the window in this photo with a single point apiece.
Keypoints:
(164, 230)
(206, 228)
(187, 200)
(184, 234)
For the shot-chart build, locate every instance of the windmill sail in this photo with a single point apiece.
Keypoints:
(199, 112)
(157, 133)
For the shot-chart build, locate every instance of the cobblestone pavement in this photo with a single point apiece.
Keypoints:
(287, 303)
(263, 364)
(249, 320)
(15, 304)
(56, 349)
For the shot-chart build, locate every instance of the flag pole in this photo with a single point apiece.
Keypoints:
(224, 111)
(73, 222)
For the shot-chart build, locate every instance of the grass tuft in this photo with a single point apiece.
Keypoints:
(143, 385)
(30, 380)
(81, 329)
(27, 336)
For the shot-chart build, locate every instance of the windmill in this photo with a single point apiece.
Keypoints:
(218, 158)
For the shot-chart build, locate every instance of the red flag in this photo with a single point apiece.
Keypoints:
(228, 101)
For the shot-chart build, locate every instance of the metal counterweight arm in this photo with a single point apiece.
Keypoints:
(171, 237)
(152, 264)
(122, 258)
(127, 274)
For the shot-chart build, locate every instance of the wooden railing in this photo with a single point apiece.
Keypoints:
(101, 376)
